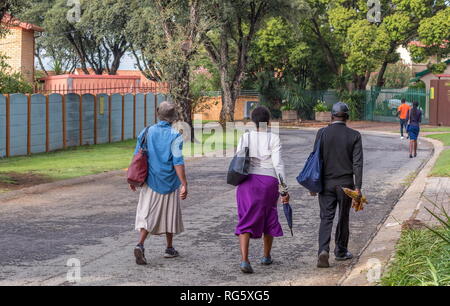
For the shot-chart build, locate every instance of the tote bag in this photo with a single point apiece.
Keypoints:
(239, 166)
(311, 175)
(138, 169)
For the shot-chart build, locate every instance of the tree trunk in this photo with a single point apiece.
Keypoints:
(180, 91)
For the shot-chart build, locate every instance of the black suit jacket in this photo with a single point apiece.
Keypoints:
(342, 154)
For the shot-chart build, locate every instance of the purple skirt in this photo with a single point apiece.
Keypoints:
(257, 199)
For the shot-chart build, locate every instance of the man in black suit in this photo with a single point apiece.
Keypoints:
(342, 155)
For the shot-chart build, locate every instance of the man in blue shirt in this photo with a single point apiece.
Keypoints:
(159, 209)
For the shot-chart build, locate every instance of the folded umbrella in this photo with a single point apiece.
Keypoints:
(286, 207)
(358, 202)
(288, 213)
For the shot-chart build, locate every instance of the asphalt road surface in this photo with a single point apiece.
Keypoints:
(93, 224)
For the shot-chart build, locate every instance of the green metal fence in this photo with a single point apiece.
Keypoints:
(382, 104)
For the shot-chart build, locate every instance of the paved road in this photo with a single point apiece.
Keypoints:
(93, 223)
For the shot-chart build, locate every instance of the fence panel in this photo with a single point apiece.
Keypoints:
(58, 121)
(88, 119)
(18, 124)
(161, 98)
(140, 113)
(116, 117)
(2, 126)
(73, 119)
(151, 109)
(38, 124)
(382, 104)
(55, 131)
(128, 117)
(102, 118)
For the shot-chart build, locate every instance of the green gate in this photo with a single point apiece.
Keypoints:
(382, 104)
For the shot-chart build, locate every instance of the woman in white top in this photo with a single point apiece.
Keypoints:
(257, 196)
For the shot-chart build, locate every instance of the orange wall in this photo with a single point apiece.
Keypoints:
(215, 105)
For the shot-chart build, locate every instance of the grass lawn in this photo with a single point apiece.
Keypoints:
(445, 138)
(439, 129)
(85, 160)
(442, 166)
(422, 259)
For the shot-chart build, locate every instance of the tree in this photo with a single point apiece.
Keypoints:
(12, 82)
(229, 42)
(434, 36)
(164, 43)
(96, 37)
(354, 46)
(12, 7)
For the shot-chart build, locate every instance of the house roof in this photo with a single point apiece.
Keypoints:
(12, 21)
(428, 71)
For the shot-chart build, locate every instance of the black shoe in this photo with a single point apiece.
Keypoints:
(322, 261)
(139, 254)
(171, 253)
(410, 156)
(346, 256)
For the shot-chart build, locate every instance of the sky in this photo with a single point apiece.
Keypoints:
(128, 63)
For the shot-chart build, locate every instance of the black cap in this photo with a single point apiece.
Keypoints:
(340, 109)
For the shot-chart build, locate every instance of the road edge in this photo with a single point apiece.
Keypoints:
(376, 255)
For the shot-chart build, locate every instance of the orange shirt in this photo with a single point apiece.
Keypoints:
(403, 110)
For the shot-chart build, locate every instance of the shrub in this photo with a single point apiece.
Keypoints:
(12, 82)
(321, 107)
(355, 101)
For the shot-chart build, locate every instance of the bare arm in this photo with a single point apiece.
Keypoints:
(181, 173)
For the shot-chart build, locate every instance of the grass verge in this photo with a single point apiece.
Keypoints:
(442, 166)
(422, 259)
(85, 160)
(439, 129)
(445, 138)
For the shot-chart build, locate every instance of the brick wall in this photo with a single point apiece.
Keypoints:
(214, 105)
(18, 46)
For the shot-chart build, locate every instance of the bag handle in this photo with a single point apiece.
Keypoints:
(144, 139)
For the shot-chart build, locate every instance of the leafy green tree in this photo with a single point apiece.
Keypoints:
(353, 45)
(165, 37)
(434, 35)
(94, 39)
(12, 7)
(229, 41)
(12, 82)
(397, 75)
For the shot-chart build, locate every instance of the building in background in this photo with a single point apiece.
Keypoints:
(18, 46)
(125, 81)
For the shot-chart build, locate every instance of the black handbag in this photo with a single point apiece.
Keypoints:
(239, 166)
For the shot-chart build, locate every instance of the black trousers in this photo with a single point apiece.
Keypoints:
(332, 197)
(403, 123)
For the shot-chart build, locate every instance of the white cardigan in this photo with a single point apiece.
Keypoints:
(265, 154)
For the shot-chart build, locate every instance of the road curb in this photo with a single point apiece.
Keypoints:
(378, 252)
(11, 195)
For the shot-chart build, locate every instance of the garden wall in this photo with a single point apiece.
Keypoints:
(39, 123)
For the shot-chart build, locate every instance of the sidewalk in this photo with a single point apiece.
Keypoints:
(437, 190)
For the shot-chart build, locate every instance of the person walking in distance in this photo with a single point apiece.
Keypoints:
(342, 155)
(414, 120)
(402, 113)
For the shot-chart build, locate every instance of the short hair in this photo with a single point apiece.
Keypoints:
(403, 100)
(167, 112)
(260, 114)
